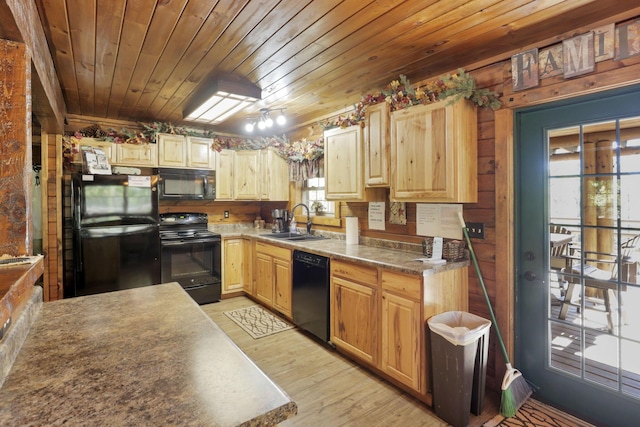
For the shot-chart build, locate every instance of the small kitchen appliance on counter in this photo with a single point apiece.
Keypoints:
(281, 220)
(191, 255)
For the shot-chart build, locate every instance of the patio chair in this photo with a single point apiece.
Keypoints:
(603, 280)
(559, 253)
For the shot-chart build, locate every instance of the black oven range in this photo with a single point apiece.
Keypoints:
(191, 255)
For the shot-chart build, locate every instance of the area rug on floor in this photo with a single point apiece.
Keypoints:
(257, 321)
(536, 414)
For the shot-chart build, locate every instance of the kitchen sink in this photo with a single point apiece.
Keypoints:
(294, 237)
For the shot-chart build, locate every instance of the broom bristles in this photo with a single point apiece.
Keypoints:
(514, 395)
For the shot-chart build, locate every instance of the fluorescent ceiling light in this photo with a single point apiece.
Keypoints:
(229, 97)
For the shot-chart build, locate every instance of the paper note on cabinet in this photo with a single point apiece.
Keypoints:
(376, 215)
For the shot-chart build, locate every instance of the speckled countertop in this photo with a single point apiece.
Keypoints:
(146, 357)
(376, 253)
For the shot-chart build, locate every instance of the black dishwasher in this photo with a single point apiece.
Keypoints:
(310, 294)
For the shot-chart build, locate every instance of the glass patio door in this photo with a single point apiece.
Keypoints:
(578, 247)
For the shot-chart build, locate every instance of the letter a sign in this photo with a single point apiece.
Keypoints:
(524, 69)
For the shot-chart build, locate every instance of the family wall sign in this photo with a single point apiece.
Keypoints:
(575, 56)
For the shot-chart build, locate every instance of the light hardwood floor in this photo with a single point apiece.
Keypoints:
(329, 389)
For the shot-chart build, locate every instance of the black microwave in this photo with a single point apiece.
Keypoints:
(187, 184)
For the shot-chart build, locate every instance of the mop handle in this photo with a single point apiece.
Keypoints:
(484, 288)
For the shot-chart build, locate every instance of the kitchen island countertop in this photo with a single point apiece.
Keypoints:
(145, 356)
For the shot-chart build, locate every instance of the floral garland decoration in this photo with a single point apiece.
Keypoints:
(399, 94)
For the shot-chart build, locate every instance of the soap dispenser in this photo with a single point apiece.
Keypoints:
(293, 228)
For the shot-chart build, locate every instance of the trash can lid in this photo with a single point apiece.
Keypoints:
(459, 327)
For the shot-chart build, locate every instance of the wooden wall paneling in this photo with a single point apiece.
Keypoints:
(44, 174)
(505, 234)
(59, 225)
(238, 211)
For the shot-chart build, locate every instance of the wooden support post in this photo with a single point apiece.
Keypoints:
(15, 150)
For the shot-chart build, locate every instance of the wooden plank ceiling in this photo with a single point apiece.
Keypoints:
(144, 60)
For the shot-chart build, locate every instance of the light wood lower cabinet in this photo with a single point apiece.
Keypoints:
(402, 337)
(378, 316)
(236, 274)
(272, 277)
(354, 323)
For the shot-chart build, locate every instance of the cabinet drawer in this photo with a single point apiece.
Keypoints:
(356, 273)
(402, 284)
(274, 251)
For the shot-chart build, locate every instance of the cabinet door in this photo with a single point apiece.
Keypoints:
(137, 154)
(376, 146)
(275, 176)
(434, 153)
(109, 149)
(263, 276)
(246, 175)
(233, 273)
(247, 264)
(224, 175)
(199, 153)
(353, 319)
(401, 339)
(343, 164)
(172, 150)
(282, 286)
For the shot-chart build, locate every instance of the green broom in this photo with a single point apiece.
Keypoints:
(515, 389)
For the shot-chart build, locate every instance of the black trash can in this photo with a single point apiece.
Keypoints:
(459, 346)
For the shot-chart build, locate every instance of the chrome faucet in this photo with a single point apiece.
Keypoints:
(308, 215)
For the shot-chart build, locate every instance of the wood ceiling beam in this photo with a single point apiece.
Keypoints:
(20, 22)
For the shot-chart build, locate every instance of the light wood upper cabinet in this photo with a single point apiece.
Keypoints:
(434, 153)
(275, 176)
(344, 166)
(246, 177)
(377, 140)
(109, 149)
(199, 153)
(224, 175)
(178, 151)
(122, 154)
(172, 150)
(137, 155)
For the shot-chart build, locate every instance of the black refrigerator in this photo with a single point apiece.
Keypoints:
(116, 239)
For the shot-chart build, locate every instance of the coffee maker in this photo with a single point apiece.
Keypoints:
(280, 220)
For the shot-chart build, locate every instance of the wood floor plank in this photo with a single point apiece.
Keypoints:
(330, 390)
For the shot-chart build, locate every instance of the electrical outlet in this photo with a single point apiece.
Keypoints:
(475, 230)
(226, 214)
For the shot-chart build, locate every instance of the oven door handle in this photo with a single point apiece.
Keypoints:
(188, 242)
